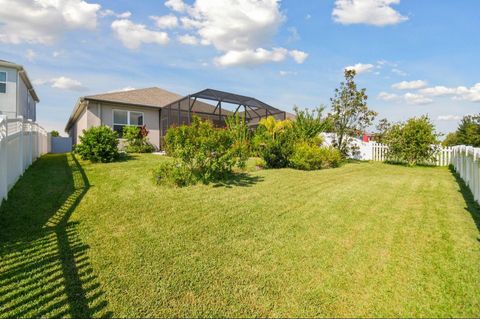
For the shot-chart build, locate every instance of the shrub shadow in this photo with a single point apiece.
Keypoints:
(238, 180)
(472, 206)
(46, 270)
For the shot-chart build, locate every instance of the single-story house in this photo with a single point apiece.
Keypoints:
(159, 109)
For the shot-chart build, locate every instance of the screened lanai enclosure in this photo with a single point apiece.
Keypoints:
(216, 106)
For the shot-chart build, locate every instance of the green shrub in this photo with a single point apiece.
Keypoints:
(98, 144)
(174, 174)
(137, 141)
(413, 142)
(206, 152)
(308, 157)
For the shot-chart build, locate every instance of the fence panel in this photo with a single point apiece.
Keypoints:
(21, 143)
(443, 156)
(466, 161)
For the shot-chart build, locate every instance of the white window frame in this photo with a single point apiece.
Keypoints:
(4, 82)
(128, 118)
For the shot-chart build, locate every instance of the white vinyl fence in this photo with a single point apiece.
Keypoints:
(466, 161)
(21, 143)
(443, 156)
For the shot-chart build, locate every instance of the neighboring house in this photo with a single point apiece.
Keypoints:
(158, 110)
(17, 96)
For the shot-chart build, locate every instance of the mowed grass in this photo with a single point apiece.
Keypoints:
(364, 240)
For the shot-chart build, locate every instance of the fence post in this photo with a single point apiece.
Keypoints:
(3, 158)
(21, 146)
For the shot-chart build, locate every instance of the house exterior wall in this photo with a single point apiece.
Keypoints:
(8, 100)
(77, 127)
(26, 103)
(102, 114)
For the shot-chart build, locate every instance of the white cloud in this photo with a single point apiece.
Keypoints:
(469, 94)
(298, 56)
(43, 21)
(109, 13)
(308, 17)
(412, 98)
(438, 91)
(241, 30)
(384, 96)
(463, 93)
(176, 5)
(294, 35)
(287, 73)
(188, 39)
(66, 83)
(133, 35)
(373, 12)
(409, 85)
(62, 82)
(127, 88)
(251, 57)
(360, 67)
(31, 55)
(166, 22)
(56, 54)
(399, 72)
(449, 117)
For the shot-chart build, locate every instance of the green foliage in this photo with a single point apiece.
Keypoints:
(274, 141)
(413, 142)
(205, 152)
(311, 157)
(295, 144)
(382, 128)
(54, 133)
(137, 141)
(451, 139)
(468, 132)
(350, 113)
(98, 144)
(309, 124)
(173, 174)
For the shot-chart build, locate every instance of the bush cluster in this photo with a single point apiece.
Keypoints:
(309, 157)
(413, 142)
(295, 144)
(137, 141)
(203, 153)
(98, 144)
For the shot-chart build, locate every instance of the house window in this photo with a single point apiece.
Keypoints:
(122, 118)
(3, 82)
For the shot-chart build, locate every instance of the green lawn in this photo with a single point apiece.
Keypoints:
(80, 239)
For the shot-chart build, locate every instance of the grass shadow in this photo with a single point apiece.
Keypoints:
(238, 180)
(44, 266)
(397, 163)
(472, 206)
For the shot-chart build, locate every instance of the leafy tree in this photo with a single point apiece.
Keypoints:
(451, 139)
(382, 128)
(54, 133)
(350, 113)
(468, 132)
(413, 142)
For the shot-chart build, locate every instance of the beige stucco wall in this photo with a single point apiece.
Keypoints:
(77, 127)
(102, 114)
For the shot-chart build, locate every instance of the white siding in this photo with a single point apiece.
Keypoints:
(8, 100)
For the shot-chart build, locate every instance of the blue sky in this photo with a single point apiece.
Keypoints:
(414, 57)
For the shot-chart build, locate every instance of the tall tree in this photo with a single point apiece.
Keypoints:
(382, 128)
(350, 112)
(468, 132)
